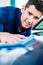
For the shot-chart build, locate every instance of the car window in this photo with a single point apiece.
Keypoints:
(38, 28)
(39, 25)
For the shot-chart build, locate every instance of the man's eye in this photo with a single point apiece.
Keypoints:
(36, 18)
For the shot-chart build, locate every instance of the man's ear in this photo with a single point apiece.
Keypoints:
(23, 9)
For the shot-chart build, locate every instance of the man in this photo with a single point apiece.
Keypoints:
(15, 24)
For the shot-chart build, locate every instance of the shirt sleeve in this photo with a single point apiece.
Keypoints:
(1, 20)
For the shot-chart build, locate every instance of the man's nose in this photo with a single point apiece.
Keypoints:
(30, 19)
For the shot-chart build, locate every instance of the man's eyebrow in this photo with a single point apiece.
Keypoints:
(30, 12)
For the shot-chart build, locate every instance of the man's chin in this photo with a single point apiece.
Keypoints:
(26, 27)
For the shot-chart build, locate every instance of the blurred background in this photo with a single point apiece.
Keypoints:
(17, 3)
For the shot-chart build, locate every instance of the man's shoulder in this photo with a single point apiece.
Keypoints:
(9, 10)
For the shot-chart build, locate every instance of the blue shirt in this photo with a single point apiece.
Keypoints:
(10, 21)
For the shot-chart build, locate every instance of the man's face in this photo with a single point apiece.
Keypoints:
(29, 16)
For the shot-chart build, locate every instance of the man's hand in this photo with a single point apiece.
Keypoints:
(10, 38)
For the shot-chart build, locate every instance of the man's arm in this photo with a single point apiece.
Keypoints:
(5, 26)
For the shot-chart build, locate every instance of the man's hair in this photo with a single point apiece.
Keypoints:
(38, 4)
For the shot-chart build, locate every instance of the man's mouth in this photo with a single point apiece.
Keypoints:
(28, 23)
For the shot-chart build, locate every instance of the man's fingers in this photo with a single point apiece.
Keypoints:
(21, 36)
(11, 38)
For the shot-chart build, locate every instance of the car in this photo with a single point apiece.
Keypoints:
(37, 30)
